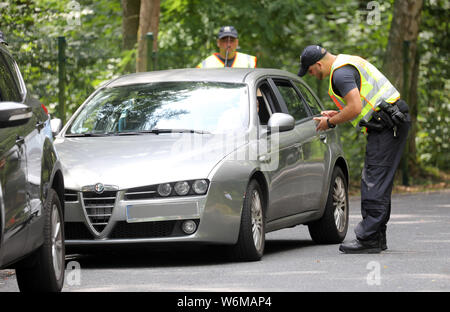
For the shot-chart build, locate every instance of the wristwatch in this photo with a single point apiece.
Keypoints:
(330, 125)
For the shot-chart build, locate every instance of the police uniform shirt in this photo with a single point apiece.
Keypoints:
(345, 79)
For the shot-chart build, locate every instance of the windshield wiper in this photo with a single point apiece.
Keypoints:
(153, 131)
(87, 134)
(158, 131)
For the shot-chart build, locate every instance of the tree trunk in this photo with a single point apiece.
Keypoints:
(148, 22)
(405, 27)
(130, 23)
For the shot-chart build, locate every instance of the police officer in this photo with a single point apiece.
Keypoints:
(227, 42)
(366, 98)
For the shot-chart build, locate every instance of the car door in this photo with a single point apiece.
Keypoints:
(285, 158)
(33, 136)
(315, 151)
(306, 139)
(12, 170)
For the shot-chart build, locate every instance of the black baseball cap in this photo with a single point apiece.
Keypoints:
(310, 55)
(227, 31)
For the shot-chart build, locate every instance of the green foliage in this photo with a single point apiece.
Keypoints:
(276, 31)
(93, 47)
(433, 142)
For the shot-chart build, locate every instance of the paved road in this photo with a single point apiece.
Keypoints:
(418, 259)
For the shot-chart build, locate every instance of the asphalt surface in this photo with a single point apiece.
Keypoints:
(417, 259)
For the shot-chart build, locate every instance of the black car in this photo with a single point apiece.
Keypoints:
(31, 186)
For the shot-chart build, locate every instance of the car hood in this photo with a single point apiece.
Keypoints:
(139, 160)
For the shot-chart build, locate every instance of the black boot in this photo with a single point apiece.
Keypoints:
(383, 240)
(361, 247)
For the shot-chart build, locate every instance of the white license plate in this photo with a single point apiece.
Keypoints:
(155, 212)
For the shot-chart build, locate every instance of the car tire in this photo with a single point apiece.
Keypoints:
(43, 270)
(251, 240)
(332, 227)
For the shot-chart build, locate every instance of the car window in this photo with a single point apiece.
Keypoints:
(266, 103)
(293, 102)
(205, 106)
(15, 73)
(9, 90)
(309, 98)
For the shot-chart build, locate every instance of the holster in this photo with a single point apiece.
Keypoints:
(389, 116)
(372, 125)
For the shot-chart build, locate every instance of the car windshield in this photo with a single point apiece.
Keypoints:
(196, 107)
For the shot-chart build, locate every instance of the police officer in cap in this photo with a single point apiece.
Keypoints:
(366, 98)
(227, 42)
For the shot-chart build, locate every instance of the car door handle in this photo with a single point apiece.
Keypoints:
(20, 140)
(40, 125)
(264, 158)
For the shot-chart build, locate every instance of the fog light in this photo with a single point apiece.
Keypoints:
(164, 189)
(189, 226)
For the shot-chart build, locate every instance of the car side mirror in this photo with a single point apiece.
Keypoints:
(281, 121)
(14, 114)
(56, 125)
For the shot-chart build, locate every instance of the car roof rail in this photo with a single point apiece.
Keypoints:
(2, 38)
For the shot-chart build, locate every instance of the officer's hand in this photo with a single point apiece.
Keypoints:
(329, 113)
(321, 123)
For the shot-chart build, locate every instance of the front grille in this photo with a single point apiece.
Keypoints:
(76, 230)
(144, 192)
(70, 195)
(99, 208)
(143, 229)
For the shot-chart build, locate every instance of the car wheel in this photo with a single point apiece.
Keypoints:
(332, 227)
(251, 241)
(44, 269)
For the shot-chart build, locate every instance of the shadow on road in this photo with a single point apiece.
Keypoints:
(167, 256)
(275, 246)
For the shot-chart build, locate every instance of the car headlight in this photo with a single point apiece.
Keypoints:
(182, 188)
(164, 190)
(200, 186)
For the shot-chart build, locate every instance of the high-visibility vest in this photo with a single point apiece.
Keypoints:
(241, 60)
(375, 87)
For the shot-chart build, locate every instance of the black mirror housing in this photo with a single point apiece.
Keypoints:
(14, 114)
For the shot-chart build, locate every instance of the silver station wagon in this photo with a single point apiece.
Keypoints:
(216, 156)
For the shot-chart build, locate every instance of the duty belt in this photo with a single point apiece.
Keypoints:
(390, 116)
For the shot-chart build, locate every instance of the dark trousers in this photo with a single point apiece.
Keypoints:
(383, 154)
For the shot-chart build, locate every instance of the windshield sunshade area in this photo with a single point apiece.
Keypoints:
(193, 107)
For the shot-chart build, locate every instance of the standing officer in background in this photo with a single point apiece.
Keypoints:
(366, 98)
(227, 41)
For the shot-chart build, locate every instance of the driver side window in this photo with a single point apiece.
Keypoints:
(309, 99)
(8, 86)
(265, 103)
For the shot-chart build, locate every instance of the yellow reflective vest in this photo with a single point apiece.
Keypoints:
(241, 60)
(375, 87)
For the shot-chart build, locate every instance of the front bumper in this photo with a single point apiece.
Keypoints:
(216, 214)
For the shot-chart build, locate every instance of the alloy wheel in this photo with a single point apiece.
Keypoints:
(57, 242)
(257, 220)
(340, 204)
